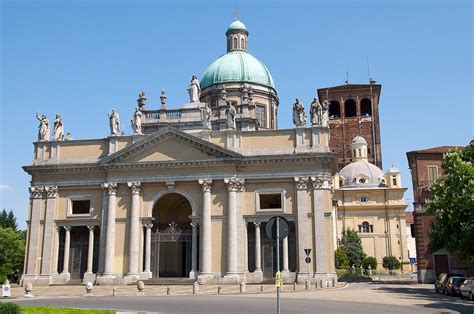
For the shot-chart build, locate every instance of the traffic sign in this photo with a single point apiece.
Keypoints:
(271, 228)
(6, 291)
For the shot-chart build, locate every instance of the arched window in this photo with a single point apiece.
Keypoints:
(235, 43)
(334, 110)
(365, 108)
(367, 228)
(228, 44)
(350, 108)
(242, 44)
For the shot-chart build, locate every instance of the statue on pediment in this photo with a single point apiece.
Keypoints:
(194, 89)
(325, 117)
(299, 116)
(58, 131)
(137, 121)
(43, 127)
(114, 123)
(206, 114)
(141, 99)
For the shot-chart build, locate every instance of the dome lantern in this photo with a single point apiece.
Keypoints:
(237, 36)
(359, 149)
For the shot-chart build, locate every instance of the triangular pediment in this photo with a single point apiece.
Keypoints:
(168, 145)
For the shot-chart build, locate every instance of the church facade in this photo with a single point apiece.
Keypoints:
(189, 193)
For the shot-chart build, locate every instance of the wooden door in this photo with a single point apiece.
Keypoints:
(441, 264)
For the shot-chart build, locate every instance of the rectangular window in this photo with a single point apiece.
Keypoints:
(412, 230)
(80, 207)
(260, 116)
(394, 180)
(432, 174)
(363, 199)
(269, 200)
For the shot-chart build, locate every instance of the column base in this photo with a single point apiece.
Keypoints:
(145, 275)
(193, 274)
(43, 280)
(109, 279)
(231, 278)
(131, 278)
(288, 277)
(205, 278)
(302, 277)
(254, 277)
(89, 277)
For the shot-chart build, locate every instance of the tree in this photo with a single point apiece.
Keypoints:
(452, 204)
(390, 263)
(8, 220)
(369, 261)
(12, 248)
(351, 244)
(342, 262)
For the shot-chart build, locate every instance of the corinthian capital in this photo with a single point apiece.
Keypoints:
(51, 191)
(321, 182)
(110, 188)
(235, 184)
(135, 187)
(206, 184)
(301, 183)
(36, 191)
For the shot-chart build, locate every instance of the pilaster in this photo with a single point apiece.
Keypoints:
(302, 228)
(48, 233)
(31, 269)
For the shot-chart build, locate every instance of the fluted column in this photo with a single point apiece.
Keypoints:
(48, 233)
(56, 251)
(134, 230)
(90, 249)
(194, 243)
(36, 194)
(302, 227)
(258, 248)
(205, 270)
(321, 188)
(148, 227)
(67, 245)
(110, 239)
(234, 185)
(285, 254)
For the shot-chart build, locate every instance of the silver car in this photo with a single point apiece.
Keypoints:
(467, 288)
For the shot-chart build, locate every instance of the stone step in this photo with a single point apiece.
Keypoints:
(169, 281)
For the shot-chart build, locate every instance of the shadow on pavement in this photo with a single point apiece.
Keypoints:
(440, 301)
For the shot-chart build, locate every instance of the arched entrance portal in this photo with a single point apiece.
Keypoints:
(171, 237)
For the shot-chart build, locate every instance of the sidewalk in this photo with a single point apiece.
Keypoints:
(152, 290)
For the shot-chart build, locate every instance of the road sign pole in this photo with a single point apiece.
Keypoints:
(278, 261)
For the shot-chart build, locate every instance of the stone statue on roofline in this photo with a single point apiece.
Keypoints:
(299, 116)
(114, 123)
(137, 121)
(58, 131)
(141, 100)
(206, 114)
(43, 127)
(194, 89)
(325, 118)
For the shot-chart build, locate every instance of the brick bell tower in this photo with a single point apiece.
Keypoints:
(354, 111)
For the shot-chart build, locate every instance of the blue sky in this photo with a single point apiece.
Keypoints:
(82, 58)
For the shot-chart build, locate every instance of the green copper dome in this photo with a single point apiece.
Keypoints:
(237, 66)
(237, 25)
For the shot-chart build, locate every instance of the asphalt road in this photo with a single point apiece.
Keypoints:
(353, 299)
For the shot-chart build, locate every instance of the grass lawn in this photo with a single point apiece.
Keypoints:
(54, 310)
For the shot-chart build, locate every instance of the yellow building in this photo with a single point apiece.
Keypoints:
(188, 194)
(372, 203)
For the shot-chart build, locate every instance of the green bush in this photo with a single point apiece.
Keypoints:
(9, 308)
(369, 260)
(390, 263)
(342, 261)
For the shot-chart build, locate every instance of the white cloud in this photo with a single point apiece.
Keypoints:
(4, 187)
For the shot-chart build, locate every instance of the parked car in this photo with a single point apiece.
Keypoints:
(467, 288)
(453, 284)
(440, 284)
